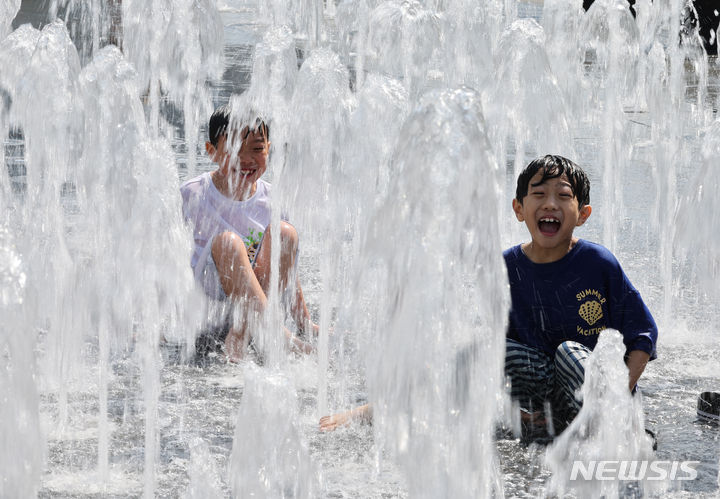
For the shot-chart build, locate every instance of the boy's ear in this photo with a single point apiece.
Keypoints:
(517, 208)
(210, 149)
(585, 212)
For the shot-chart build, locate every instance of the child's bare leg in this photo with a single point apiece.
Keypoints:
(362, 413)
(288, 252)
(240, 284)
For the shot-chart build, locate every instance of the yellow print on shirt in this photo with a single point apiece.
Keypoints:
(590, 292)
(590, 311)
(590, 332)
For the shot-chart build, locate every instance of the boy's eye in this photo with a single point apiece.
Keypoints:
(566, 195)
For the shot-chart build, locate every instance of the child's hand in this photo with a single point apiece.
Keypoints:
(330, 330)
(303, 347)
(297, 345)
(334, 421)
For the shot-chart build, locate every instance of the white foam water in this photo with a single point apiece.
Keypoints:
(609, 426)
(272, 463)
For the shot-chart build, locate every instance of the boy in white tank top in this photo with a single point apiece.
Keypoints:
(230, 212)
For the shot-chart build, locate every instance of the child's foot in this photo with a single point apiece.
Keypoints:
(536, 418)
(236, 345)
(534, 427)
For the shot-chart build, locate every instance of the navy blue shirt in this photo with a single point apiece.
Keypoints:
(574, 299)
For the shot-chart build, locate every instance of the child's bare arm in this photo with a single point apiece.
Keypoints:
(636, 362)
(301, 314)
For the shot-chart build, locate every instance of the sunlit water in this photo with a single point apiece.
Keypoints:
(403, 205)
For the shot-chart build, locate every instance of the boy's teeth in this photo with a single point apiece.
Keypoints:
(549, 226)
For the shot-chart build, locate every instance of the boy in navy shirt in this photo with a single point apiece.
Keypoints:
(564, 292)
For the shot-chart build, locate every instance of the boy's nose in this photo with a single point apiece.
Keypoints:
(549, 203)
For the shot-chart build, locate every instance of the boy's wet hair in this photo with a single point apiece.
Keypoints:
(220, 121)
(554, 166)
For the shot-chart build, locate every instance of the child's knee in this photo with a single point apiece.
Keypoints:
(570, 358)
(571, 349)
(227, 244)
(560, 351)
(289, 237)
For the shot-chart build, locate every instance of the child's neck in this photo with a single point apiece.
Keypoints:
(538, 254)
(240, 193)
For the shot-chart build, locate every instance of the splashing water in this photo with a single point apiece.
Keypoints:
(91, 170)
(697, 203)
(400, 42)
(7, 13)
(530, 124)
(437, 280)
(395, 176)
(270, 463)
(19, 411)
(609, 426)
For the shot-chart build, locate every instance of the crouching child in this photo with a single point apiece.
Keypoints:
(229, 210)
(564, 292)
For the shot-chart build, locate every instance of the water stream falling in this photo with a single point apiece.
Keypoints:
(589, 437)
(397, 129)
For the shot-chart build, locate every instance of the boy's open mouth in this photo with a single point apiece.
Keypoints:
(244, 172)
(549, 226)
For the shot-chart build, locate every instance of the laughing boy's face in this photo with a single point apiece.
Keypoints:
(245, 156)
(551, 212)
